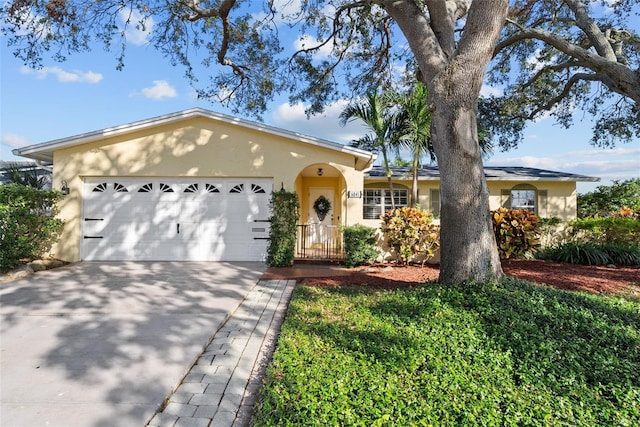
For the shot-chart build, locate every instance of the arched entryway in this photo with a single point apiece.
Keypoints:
(321, 189)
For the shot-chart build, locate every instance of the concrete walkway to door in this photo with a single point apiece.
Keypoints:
(103, 344)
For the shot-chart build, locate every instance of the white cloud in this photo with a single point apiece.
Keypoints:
(325, 125)
(13, 140)
(138, 28)
(614, 164)
(75, 76)
(287, 11)
(536, 64)
(617, 151)
(160, 89)
(307, 42)
(487, 90)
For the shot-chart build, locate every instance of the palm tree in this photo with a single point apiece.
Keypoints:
(415, 130)
(374, 111)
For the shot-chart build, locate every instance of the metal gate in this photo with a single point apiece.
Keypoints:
(319, 242)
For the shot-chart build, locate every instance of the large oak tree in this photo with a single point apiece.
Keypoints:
(451, 43)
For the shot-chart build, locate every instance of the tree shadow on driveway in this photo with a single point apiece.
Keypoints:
(100, 344)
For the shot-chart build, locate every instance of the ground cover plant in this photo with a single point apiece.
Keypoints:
(508, 353)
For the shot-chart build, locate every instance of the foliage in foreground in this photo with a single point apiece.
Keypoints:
(491, 354)
(28, 226)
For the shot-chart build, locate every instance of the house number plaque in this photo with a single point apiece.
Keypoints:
(354, 194)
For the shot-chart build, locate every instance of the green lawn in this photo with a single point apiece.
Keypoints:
(491, 354)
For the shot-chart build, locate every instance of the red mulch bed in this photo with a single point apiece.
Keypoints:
(595, 279)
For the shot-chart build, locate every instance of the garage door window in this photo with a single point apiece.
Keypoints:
(146, 188)
(191, 188)
(256, 189)
(165, 188)
(120, 188)
(100, 188)
(211, 188)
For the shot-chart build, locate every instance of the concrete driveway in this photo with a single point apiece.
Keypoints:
(102, 344)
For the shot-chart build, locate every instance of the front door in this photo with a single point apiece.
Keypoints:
(322, 234)
(314, 195)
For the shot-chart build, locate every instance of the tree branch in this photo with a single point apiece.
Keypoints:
(616, 76)
(419, 33)
(594, 34)
(336, 26)
(565, 91)
(442, 19)
(558, 42)
(222, 12)
(556, 67)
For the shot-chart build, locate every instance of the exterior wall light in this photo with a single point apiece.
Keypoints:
(320, 172)
(64, 188)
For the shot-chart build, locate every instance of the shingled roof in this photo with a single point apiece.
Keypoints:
(492, 173)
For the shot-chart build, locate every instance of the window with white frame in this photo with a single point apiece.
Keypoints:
(523, 199)
(378, 200)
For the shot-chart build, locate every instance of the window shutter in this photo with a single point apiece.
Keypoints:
(505, 198)
(435, 203)
(542, 204)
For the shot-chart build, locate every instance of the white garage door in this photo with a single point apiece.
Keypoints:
(191, 219)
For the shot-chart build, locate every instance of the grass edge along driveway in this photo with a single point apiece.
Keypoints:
(508, 353)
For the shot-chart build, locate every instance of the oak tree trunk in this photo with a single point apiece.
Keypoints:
(453, 72)
(468, 248)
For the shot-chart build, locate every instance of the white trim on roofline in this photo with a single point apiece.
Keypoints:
(44, 151)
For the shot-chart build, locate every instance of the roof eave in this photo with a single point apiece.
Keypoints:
(44, 151)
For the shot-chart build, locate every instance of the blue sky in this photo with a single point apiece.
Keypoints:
(87, 93)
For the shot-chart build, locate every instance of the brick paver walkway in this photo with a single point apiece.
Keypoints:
(220, 388)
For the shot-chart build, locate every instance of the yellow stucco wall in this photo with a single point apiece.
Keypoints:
(204, 147)
(561, 200)
(198, 147)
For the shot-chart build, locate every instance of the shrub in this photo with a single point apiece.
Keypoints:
(359, 245)
(606, 200)
(517, 232)
(592, 253)
(623, 254)
(411, 234)
(28, 227)
(623, 230)
(553, 231)
(627, 212)
(284, 224)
